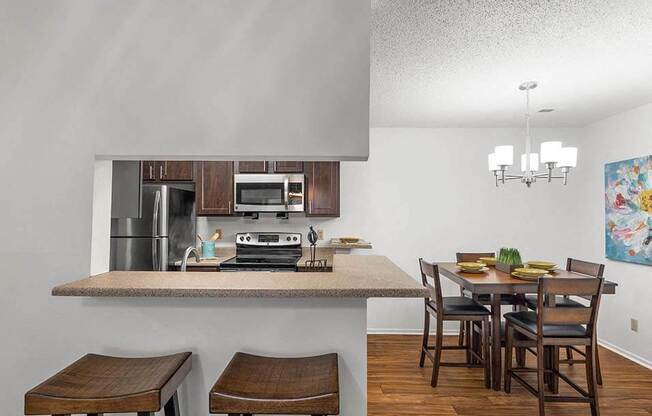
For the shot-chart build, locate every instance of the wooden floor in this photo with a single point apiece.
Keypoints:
(397, 386)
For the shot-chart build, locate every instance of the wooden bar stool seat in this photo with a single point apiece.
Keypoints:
(251, 384)
(97, 384)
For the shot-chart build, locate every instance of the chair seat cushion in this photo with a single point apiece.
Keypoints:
(103, 384)
(461, 305)
(560, 302)
(252, 384)
(528, 321)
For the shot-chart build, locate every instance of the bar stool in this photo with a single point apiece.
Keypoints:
(251, 384)
(97, 384)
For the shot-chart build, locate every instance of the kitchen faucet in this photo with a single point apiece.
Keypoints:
(190, 250)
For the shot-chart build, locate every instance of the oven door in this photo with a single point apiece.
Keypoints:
(268, 193)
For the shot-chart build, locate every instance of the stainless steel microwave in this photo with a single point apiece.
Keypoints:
(269, 193)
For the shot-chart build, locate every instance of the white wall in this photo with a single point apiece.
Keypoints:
(427, 192)
(624, 136)
(101, 226)
(86, 77)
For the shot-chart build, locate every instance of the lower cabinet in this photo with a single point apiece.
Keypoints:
(323, 189)
(214, 188)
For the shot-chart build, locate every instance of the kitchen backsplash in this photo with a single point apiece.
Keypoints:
(267, 222)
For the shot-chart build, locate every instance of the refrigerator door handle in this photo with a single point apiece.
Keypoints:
(157, 207)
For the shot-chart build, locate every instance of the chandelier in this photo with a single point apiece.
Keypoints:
(552, 155)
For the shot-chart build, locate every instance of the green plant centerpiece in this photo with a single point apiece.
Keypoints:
(508, 260)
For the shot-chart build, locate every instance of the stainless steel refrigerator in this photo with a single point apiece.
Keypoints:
(159, 237)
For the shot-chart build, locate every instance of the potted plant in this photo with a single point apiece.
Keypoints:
(508, 260)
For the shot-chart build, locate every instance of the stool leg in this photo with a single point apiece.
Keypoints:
(172, 406)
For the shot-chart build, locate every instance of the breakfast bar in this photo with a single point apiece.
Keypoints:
(214, 314)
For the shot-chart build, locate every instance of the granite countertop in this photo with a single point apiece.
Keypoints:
(353, 276)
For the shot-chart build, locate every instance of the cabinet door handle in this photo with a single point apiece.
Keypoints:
(229, 207)
(151, 172)
(160, 172)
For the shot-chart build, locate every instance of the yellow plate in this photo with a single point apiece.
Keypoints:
(545, 265)
(489, 261)
(525, 277)
(530, 272)
(471, 265)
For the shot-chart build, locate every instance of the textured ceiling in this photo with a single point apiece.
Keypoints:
(459, 62)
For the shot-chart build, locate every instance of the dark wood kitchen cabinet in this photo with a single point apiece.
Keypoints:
(288, 167)
(323, 189)
(150, 171)
(167, 170)
(214, 188)
(252, 167)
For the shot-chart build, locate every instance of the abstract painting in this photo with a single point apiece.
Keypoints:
(628, 203)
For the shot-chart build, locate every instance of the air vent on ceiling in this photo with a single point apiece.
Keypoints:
(546, 110)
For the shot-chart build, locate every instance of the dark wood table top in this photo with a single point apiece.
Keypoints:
(495, 281)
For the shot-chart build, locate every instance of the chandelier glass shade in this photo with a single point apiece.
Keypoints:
(552, 155)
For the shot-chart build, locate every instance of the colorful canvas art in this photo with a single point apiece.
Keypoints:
(628, 199)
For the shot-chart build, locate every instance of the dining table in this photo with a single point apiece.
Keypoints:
(495, 283)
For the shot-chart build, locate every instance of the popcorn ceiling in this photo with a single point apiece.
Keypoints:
(459, 62)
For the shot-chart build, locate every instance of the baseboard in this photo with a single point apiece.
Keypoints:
(395, 331)
(620, 351)
(624, 353)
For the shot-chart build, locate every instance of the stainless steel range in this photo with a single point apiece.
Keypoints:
(265, 252)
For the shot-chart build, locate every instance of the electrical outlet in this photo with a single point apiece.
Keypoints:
(633, 324)
(320, 234)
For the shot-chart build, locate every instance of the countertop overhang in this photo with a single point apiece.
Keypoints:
(354, 276)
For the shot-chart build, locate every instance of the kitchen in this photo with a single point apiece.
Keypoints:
(243, 191)
(341, 182)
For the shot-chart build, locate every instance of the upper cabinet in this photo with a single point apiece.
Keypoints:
(214, 188)
(288, 167)
(252, 167)
(167, 171)
(150, 171)
(323, 189)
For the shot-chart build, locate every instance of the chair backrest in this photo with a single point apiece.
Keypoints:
(472, 256)
(569, 315)
(431, 271)
(585, 267)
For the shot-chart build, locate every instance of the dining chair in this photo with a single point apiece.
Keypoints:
(484, 299)
(451, 308)
(586, 268)
(555, 327)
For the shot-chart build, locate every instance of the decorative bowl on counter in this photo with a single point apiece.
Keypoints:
(349, 240)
